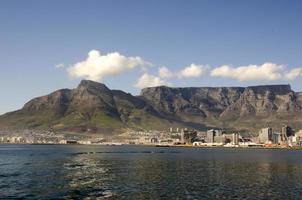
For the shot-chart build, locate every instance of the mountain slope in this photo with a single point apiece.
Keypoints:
(271, 104)
(229, 107)
(89, 107)
(92, 107)
(191, 104)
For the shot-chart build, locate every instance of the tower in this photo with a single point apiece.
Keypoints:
(182, 136)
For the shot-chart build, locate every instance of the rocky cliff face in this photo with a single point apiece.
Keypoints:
(191, 104)
(229, 107)
(94, 106)
(264, 101)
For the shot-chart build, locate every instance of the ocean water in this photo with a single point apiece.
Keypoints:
(139, 172)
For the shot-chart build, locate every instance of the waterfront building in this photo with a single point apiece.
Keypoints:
(84, 142)
(202, 134)
(218, 132)
(292, 141)
(228, 138)
(265, 135)
(276, 139)
(299, 137)
(182, 137)
(210, 136)
(299, 133)
(235, 138)
(286, 131)
(219, 139)
(188, 136)
(62, 142)
(154, 140)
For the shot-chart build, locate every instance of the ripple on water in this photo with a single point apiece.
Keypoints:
(124, 152)
(10, 175)
(150, 173)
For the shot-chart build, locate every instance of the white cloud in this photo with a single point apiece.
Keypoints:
(97, 66)
(147, 80)
(60, 66)
(193, 71)
(164, 72)
(264, 72)
(293, 74)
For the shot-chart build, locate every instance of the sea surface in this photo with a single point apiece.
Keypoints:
(140, 172)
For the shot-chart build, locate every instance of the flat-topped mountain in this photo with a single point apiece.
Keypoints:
(94, 107)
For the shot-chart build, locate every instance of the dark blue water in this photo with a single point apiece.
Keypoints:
(137, 172)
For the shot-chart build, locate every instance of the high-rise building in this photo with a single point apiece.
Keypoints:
(235, 138)
(276, 139)
(219, 139)
(210, 136)
(265, 135)
(182, 136)
(218, 132)
(286, 131)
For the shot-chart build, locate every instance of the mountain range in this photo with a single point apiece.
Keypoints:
(93, 107)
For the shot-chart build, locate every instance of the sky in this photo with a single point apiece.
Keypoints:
(128, 45)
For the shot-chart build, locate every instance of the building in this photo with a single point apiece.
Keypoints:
(235, 138)
(188, 136)
(182, 137)
(218, 132)
(211, 135)
(276, 138)
(286, 131)
(219, 139)
(265, 135)
(299, 137)
(292, 140)
(154, 140)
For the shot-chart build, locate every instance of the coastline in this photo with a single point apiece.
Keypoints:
(158, 146)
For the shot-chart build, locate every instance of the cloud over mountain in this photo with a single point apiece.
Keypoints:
(293, 74)
(98, 66)
(147, 80)
(265, 72)
(164, 72)
(192, 71)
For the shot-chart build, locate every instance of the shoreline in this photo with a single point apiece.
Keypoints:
(161, 146)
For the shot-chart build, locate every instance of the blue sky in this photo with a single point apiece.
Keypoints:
(35, 36)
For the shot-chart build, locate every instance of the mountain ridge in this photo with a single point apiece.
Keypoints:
(93, 106)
